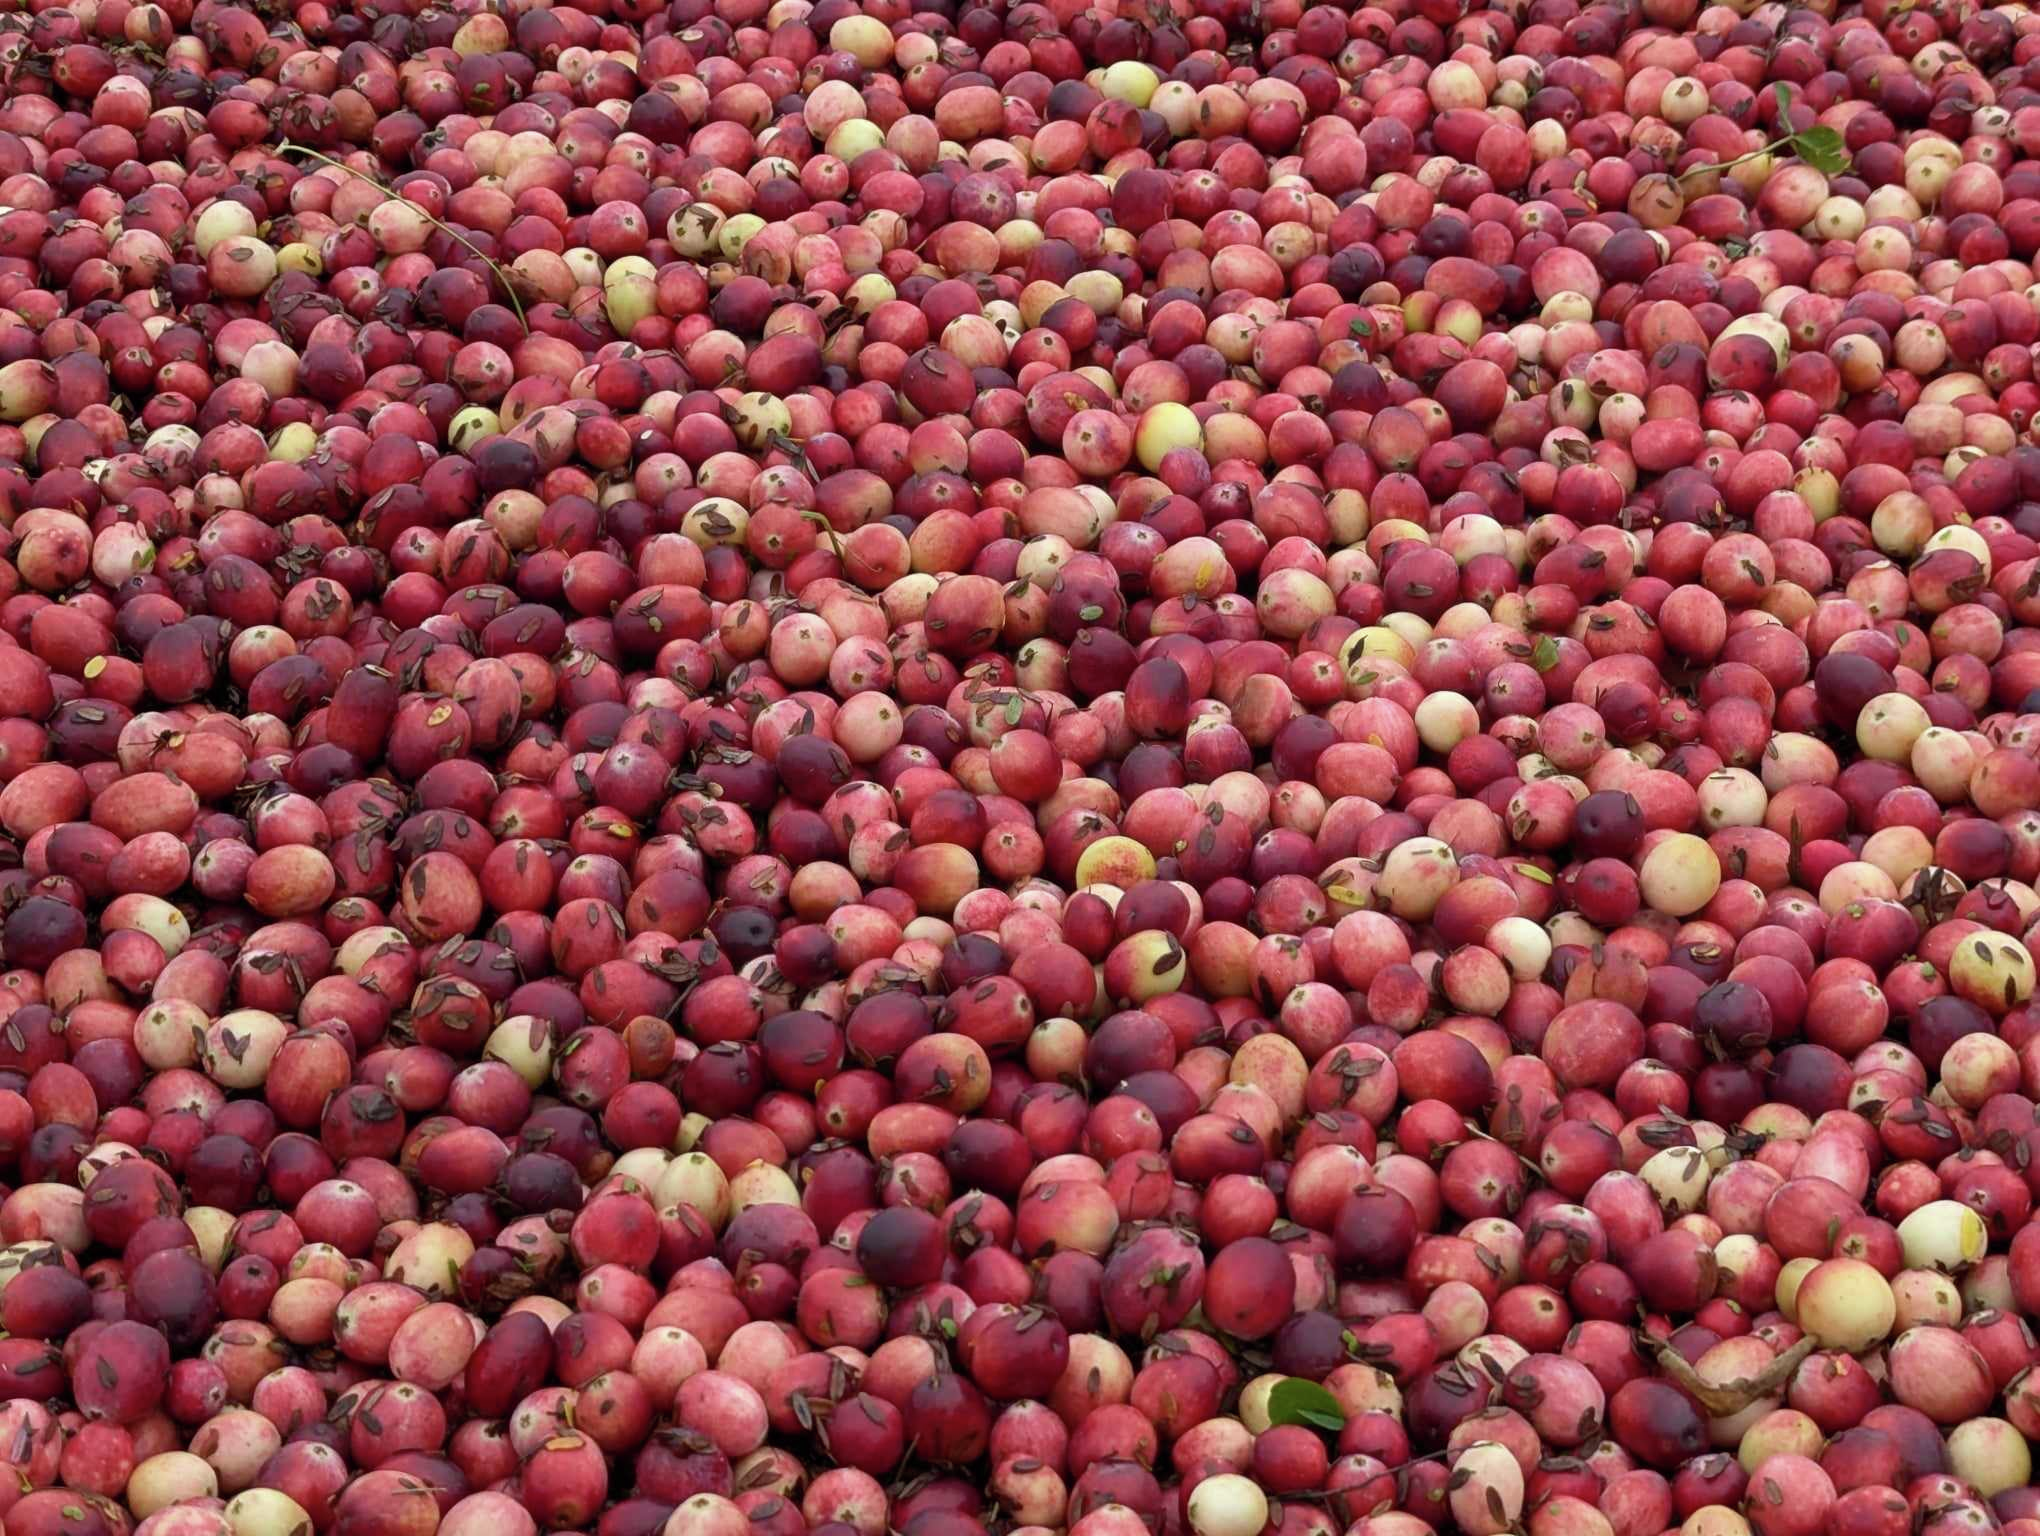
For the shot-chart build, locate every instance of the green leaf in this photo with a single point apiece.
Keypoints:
(1296, 1401)
(1545, 656)
(1822, 149)
(1362, 327)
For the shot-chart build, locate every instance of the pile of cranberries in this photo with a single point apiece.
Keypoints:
(1015, 767)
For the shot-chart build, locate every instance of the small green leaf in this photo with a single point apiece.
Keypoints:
(1545, 656)
(1296, 1401)
(1362, 327)
(1015, 708)
(1822, 149)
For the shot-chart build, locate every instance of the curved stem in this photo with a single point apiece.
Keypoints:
(1734, 1396)
(1728, 165)
(288, 148)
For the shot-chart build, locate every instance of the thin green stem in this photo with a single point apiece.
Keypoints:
(1821, 148)
(288, 148)
(1728, 165)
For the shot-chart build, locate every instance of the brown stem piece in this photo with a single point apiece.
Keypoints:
(288, 148)
(1732, 1397)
